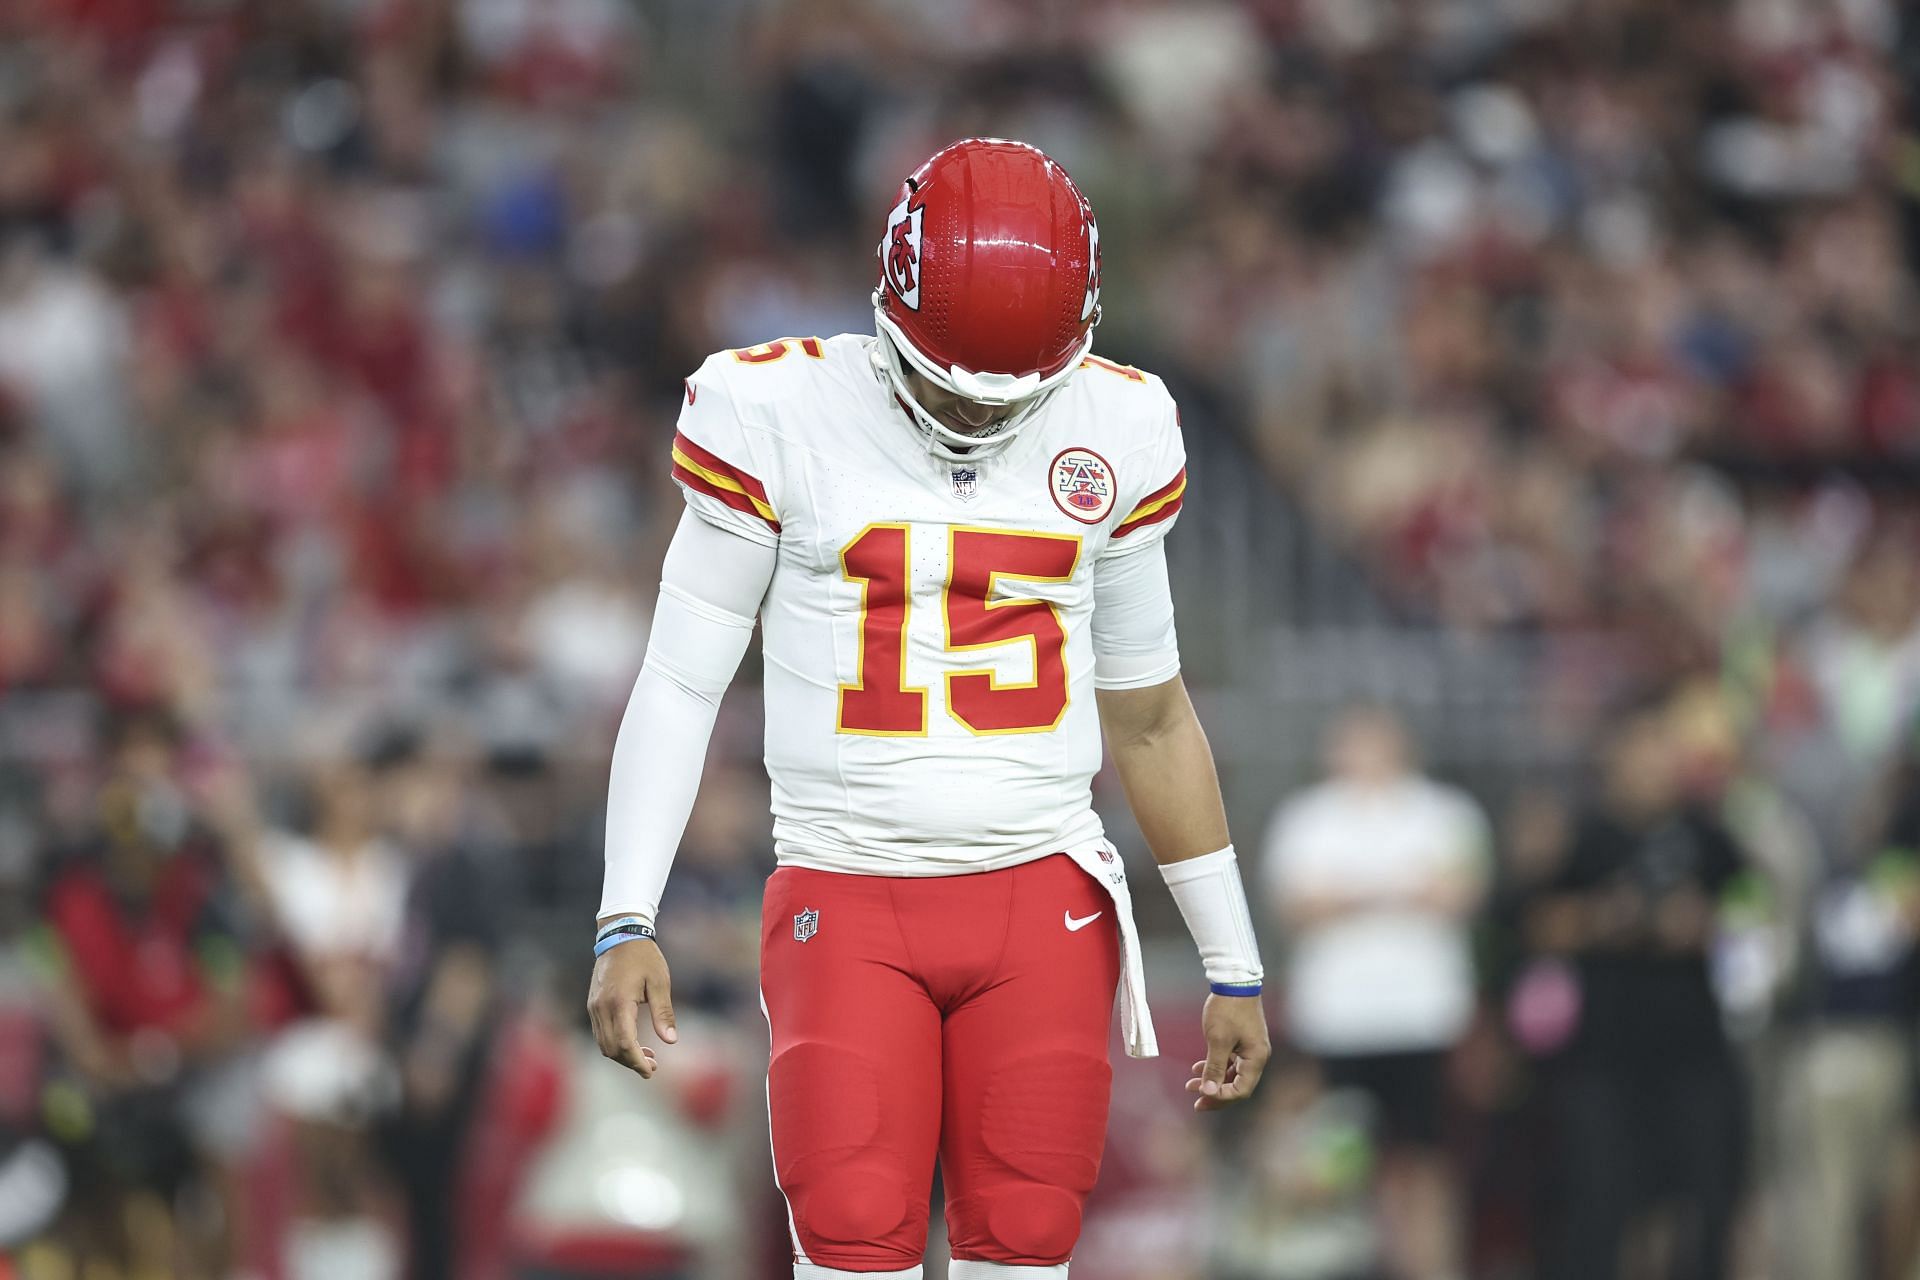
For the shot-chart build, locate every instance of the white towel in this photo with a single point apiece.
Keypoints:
(1136, 1021)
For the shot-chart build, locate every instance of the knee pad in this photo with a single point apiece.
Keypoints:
(1028, 1221)
(843, 1204)
(1022, 1205)
(842, 1187)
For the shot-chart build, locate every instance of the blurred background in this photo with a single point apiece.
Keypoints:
(1551, 374)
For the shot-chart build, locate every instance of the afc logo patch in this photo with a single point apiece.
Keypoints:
(806, 924)
(900, 251)
(966, 483)
(1081, 483)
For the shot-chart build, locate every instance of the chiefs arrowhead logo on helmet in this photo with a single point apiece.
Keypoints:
(1091, 303)
(901, 252)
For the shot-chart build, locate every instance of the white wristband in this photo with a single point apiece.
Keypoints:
(1214, 904)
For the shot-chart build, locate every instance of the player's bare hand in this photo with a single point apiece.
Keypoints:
(1237, 1051)
(624, 978)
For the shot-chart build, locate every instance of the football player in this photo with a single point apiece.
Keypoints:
(950, 533)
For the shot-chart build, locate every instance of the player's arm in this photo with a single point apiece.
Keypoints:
(711, 587)
(1166, 766)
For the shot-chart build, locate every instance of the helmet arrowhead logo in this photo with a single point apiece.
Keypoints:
(1091, 302)
(900, 251)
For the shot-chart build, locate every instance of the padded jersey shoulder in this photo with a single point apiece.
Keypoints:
(1129, 417)
(1129, 409)
(774, 385)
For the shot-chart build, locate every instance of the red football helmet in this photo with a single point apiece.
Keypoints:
(989, 285)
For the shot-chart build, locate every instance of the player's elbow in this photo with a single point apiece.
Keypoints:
(1144, 719)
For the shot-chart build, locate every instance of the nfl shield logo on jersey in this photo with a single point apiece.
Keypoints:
(966, 483)
(806, 924)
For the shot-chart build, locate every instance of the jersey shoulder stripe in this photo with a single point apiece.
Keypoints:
(708, 473)
(717, 468)
(1162, 504)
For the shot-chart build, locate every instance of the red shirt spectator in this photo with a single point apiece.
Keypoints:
(141, 962)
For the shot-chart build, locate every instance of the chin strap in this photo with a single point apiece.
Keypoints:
(890, 356)
(940, 440)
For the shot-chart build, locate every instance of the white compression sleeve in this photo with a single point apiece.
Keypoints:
(1134, 645)
(710, 589)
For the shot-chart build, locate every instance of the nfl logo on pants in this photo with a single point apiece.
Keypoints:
(806, 924)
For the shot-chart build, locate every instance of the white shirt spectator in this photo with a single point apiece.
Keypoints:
(1387, 968)
(344, 917)
(334, 907)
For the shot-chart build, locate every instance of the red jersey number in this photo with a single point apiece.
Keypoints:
(881, 703)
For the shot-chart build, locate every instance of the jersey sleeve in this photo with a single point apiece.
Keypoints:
(1134, 641)
(724, 467)
(1155, 480)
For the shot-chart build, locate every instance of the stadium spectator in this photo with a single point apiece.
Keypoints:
(157, 1013)
(337, 894)
(445, 996)
(1375, 875)
(1650, 1100)
(1849, 1109)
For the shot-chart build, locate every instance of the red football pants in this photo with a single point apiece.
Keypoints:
(963, 1016)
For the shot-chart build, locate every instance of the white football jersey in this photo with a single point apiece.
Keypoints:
(929, 655)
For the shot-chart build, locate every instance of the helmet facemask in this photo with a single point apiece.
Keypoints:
(893, 356)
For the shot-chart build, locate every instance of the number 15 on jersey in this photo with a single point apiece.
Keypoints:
(879, 701)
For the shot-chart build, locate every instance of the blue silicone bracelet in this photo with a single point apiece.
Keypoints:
(1234, 988)
(626, 934)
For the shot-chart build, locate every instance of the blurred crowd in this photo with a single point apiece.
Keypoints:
(340, 342)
